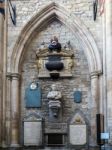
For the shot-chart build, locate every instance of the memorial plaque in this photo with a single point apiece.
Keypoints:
(78, 96)
(33, 96)
(33, 133)
(78, 135)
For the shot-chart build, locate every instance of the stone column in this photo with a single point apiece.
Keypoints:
(95, 90)
(1, 70)
(1, 74)
(108, 70)
(95, 104)
(8, 109)
(4, 70)
(15, 110)
(1, 40)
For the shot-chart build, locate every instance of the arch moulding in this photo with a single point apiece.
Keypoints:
(44, 17)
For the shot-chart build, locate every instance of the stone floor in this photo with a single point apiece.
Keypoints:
(58, 148)
(45, 149)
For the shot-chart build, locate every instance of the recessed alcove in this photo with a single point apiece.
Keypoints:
(80, 79)
(55, 139)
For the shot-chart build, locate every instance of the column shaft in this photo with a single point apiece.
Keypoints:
(15, 111)
(8, 109)
(4, 67)
(108, 52)
(1, 72)
(95, 104)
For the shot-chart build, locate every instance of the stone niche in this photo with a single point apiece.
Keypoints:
(66, 58)
(78, 131)
(32, 125)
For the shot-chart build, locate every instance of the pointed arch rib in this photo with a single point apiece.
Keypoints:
(42, 18)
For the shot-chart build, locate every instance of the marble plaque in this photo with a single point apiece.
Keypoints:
(32, 133)
(78, 134)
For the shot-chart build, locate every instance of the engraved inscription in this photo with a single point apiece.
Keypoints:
(32, 133)
(78, 134)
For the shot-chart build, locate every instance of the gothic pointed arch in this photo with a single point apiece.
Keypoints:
(78, 116)
(44, 17)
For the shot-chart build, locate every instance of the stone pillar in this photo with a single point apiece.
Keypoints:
(4, 70)
(8, 109)
(95, 90)
(94, 105)
(1, 40)
(2, 120)
(108, 70)
(1, 70)
(15, 110)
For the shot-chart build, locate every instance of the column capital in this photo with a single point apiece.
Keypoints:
(95, 74)
(15, 76)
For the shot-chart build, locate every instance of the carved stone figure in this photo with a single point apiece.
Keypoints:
(54, 45)
(54, 97)
(54, 94)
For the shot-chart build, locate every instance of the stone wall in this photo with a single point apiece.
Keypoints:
(79, 81)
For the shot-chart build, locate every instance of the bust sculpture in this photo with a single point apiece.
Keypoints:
(54, 45)
(54, 94)
(54, 97)
(54, 63)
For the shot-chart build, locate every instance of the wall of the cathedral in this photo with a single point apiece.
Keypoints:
(83, 10)
(93, 79)
(82, 78)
